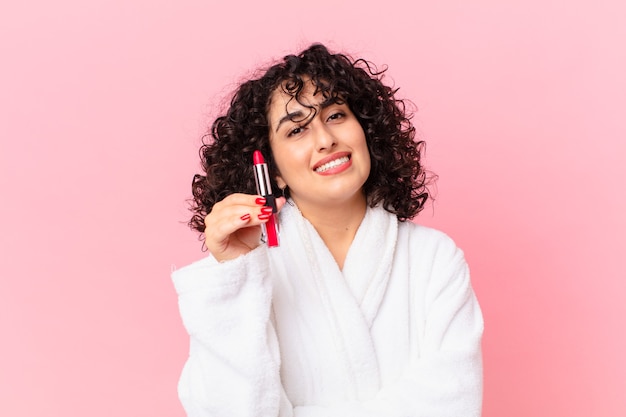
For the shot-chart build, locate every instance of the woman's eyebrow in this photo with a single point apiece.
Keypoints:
(298, 113)
(288, 117)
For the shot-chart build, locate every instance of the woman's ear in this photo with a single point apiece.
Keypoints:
(280, 182)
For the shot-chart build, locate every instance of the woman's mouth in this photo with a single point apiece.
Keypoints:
(332, 164)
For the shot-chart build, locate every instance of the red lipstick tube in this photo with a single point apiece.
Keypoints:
(264, 189)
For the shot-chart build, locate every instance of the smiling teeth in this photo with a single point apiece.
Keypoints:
(332, 164)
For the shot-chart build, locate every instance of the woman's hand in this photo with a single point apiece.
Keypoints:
(233, 227)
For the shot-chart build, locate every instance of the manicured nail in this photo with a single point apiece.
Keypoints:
(264, 216)
(245, 217)
(260, 201)
(266, 210)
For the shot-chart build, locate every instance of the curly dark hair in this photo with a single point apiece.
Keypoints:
(397, 179)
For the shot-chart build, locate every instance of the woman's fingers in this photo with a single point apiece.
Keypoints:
(280, 202)
(232, 227)
(234, 212)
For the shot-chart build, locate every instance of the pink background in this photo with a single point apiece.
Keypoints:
(102, 105)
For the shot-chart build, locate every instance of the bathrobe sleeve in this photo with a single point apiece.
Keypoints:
(444, 378)
(233, 364)
(233, 367)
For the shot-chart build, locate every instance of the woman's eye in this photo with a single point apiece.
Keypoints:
(336, 116)
(295, 131)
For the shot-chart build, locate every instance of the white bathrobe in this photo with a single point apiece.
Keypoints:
(283, 332)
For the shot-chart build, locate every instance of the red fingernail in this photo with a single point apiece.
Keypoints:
(264, 216)
(266, 210)
(260, 201)
(245, 217)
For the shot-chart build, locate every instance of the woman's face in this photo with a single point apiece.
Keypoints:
(322, 156)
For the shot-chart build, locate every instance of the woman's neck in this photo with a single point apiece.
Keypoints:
(336, 225)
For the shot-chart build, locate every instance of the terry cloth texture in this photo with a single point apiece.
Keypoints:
(283, 332)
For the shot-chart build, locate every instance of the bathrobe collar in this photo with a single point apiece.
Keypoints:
(348, 299)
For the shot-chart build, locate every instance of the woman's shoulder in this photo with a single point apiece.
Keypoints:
(425, 234)
(427, 240)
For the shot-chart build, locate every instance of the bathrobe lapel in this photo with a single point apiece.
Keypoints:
(368, 265)
(319, 308)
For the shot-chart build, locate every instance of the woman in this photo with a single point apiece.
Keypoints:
(358, 312)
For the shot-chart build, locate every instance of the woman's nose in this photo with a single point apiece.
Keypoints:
(324, 138)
